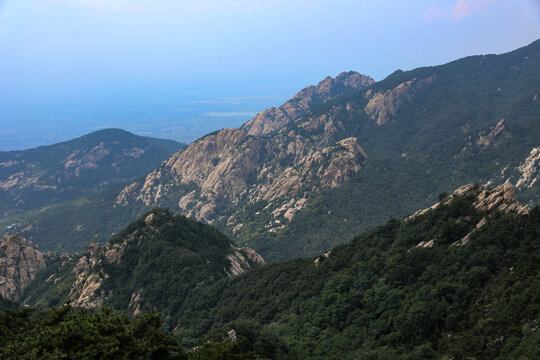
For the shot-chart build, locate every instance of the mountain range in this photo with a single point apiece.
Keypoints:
(400, 141)
(336, 159)
(320, 229)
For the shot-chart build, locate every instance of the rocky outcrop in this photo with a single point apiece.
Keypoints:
(486, 201)
(241, 260)
(274, 119)
(529, 169)
(495, 137)
(500, 198)
(19, 262)
(86, 289)
(218, 175)
(382, 106)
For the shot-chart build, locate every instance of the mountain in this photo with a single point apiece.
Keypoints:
(154, 263)
(97, 216)
(301, 174)
(47, 175)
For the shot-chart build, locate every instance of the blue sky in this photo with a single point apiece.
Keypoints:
(180, 69)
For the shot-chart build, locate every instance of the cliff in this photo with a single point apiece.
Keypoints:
(19, 263)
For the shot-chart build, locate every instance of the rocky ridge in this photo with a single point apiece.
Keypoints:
(230, 167)
(485, 200)
(274, 119)
(219, 174)
(529, 169)
(19, 262)
(501, 198)
(495, 137)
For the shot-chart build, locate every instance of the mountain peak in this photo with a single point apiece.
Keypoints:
(274, 119)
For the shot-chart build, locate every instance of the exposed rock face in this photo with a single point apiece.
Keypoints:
(382, 106)
(86, 291)
(485, 201)
(241, 260)
(500, 198)
(219, 174)
(19, 263)
(495, 137)
(274, 119)
(529, 169)
(228, 167)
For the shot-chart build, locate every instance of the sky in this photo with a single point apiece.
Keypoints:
(180, 69)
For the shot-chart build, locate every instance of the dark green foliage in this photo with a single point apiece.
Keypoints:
(381, 296)
(51, 285)
(7, 304)
(166, 264)
(161, 261)
(66, 333)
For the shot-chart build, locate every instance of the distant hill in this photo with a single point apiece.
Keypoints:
(47, 175)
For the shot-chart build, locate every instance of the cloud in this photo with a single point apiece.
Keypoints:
(465, 8)
(460, 10)
(433, 13)
(230, 113)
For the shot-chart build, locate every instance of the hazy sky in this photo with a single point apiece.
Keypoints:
(179, 69)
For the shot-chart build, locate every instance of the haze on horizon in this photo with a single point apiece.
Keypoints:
(178, 70)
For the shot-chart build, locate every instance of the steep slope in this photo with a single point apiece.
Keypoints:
(153, 263)
(19, 263)
(51, 174)
(411, 289)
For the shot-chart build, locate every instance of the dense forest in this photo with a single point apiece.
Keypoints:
(384, 295)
